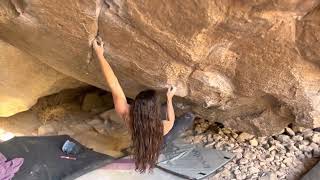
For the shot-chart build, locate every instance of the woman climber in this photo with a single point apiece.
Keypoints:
(151, 125)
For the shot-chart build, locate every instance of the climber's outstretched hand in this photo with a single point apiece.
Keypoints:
(171, 91)
(98, 47)
(119, 98)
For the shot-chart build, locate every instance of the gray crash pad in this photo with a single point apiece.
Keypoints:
(42, 158)
(124, 169)
(192, 161)
(313, 174)
(177, 161)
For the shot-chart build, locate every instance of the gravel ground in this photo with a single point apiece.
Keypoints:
(283, 156)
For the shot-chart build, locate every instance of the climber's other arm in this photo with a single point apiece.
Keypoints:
(119, 98)
(167, 125)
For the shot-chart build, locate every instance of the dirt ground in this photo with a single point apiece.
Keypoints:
(74, 113)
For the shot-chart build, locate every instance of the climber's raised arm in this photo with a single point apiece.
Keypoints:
(168, 124)
(119, 98)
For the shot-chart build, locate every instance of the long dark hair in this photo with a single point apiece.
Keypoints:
(146, 130)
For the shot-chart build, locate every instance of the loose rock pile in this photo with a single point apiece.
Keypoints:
(282, 156)
(104, 132)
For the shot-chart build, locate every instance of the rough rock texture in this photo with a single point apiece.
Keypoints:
(253, 65)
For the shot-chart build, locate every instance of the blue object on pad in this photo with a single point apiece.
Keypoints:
(70, 147)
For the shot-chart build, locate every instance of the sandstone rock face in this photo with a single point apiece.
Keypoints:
(24, 79)
(252, 65)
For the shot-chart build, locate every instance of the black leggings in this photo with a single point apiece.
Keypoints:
(181, 124)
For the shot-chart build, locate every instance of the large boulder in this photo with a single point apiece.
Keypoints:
(252, 65)
(24, 79)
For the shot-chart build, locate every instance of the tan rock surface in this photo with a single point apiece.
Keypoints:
(253, 65)
(23, 79)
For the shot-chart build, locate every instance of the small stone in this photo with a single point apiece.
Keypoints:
(198, 130)
(249, 155)
(238, 155)
(236, 172)
(225, 173)
(305, 148)
(289, 154)
(211, 144)
(308, 155)
(272, 148)
(279, 132)
(280, 174)
(237, 150)
(316, 138)
(253, 170)
(204, 140)
(280, 147)
(234, 135)
(262, 163)
(270, 158)
(216, 137)
(269, 176)
(298, 153)
(100, 128)
(314, 146)
(287, 161)
(266, 146)
(316, 153)
(209, 138)
(243, 169)
(307, 133)
(262, 140)
(228, 147)
(254, 176)
(244, 136)
(290, 131)
(289, 146)
(226, 131)
(262, 157)
(297, 138)
(219, 144)
(198, 138)
(232, 140)
(254, 142)
(243, 161)
(240, 176)
(298, 129)
(228, 166)
(221, 133)
(271, 141)
(47, 129)
(283, 138)
(305, 142)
